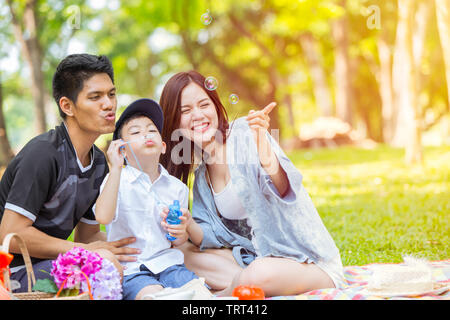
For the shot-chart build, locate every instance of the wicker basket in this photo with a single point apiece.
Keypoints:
(30, 276)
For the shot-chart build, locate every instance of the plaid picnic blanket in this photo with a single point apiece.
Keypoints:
(357, 278)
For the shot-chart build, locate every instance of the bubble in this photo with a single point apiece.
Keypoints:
(233, 98)
(206, 18)
(211, 83)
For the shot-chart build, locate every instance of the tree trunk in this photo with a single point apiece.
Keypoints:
(287, 101)
(443, 22)
(320, 87)
(26, 33)
(407, 131)
(271, 95)
(382, 71)
(385, 85)
(6, 153)
(273, 72)
(342, 69)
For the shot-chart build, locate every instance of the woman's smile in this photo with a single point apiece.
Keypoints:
(202, 127)
(198, 114)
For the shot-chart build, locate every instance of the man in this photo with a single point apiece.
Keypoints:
(49, 188)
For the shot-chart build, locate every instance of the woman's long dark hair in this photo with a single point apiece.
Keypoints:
(170, 103)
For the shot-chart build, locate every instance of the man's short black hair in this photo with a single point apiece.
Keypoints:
(73, 70)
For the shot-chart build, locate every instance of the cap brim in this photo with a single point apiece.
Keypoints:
(147, 107)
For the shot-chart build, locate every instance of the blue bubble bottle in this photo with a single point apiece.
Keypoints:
(173, 217)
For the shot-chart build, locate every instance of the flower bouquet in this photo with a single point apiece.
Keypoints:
(80, 271)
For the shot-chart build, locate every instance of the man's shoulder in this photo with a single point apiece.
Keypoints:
(40, 148)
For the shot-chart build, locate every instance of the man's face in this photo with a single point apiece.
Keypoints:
(95, 109)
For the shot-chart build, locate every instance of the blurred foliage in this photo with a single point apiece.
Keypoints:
(252, 47)
(375, 208)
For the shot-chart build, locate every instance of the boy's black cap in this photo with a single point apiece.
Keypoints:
(148, 107)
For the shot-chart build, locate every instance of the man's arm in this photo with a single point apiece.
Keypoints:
(43, 246)
(87, 233)
(39, 244)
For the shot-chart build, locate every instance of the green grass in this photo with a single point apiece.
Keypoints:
(377, 208)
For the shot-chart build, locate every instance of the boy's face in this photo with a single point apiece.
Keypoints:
(95, 109)
(144, 138)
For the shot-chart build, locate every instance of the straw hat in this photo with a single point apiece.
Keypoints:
(193, 290)
(413, 278)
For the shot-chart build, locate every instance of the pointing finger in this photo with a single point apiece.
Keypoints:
(267, 109)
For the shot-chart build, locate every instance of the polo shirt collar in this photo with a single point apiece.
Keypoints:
(133, 174)
(80, 165)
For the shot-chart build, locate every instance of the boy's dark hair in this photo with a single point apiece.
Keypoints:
(132, 117)
(73, 70)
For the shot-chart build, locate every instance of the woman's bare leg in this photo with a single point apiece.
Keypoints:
(280, 276)
(217, 266)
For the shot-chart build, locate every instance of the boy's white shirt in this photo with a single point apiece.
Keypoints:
(138, 215)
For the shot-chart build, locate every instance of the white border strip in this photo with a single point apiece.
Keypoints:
(20, 210)
(87, 221)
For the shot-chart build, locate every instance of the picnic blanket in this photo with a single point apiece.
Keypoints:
(357, 277)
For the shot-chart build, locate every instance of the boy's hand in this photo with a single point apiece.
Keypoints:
(178, 231)
(115, 155)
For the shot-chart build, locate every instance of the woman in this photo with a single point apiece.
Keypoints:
(253, 222)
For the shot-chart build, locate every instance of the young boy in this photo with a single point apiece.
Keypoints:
(132, 198)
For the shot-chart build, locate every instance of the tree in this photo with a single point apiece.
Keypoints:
(6, 153)
(343, 91)
(408, 121)
(38, 27)
(385, 86)
(381, 64)
(443, 22)
(322, 94)
(25, 23)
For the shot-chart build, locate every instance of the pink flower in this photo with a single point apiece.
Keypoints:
(77, 262)
(105, 283)
(73, 264)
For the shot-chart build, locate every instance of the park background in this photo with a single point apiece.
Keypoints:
(363, 93)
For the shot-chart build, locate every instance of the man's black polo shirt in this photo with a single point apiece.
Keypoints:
(46, 183)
